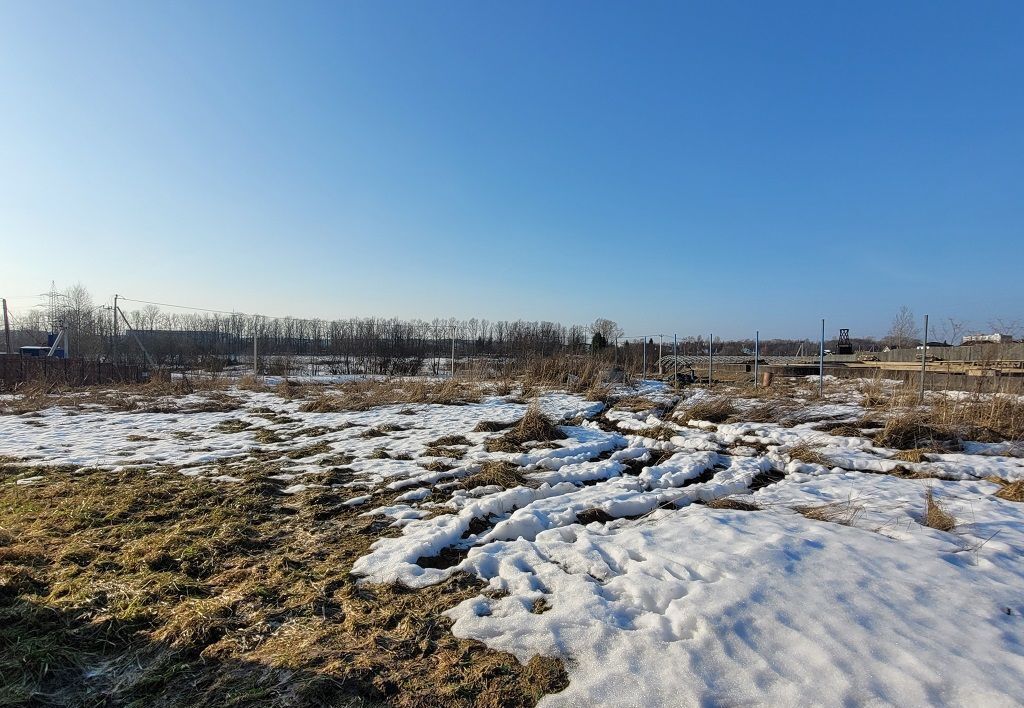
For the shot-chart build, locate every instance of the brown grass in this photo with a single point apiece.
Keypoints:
(914, 454)
(804, 452)
(442, 451)
(844, 513)
(734, 503)
(912, 430)
(873, 392)
(129, 589)
(366, 394)
(450, 440)
(638, 404)
(1011, 491)
(289, 389)
(713, 410)
(497, 472)
(540, 606)
(492, 426)
(990, 418)
(437, 466)
(156, 396)
(767, 412)
(935, 515)
(249, 382)
(534, 426)
(845, 430)
(577, 374)
(657, 432)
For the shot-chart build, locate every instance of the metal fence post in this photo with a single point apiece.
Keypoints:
(711, 360)
(924, 357)
(821, 362)
(757, 353)
(675, 359)
(643, 375)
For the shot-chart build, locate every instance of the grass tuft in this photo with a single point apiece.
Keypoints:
(1011, 491)
(497, 472)
(804, 452)
(534, 426)
(844, 513)
(734, 503)
(713, 410)
(935, 515)
(912, 430)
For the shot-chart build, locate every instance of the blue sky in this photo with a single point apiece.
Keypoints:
(688, 167)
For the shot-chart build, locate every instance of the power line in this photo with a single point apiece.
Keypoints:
(185, 307)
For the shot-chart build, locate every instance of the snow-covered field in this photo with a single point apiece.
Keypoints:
(612, 552)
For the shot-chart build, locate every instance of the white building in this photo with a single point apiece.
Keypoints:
(994, 338)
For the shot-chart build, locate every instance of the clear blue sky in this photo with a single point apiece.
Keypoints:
(673, 166)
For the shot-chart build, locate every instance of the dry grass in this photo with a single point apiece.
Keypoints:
(454, 453)
(846, 430)
(657, 432)
(804, 452)
(577, 374)
(767, 412)
(492, 426)
(1011, 491)
(844, 513)
(733, 503)
(497, 472)
(249, 382)
(914, 430)
(713, 410)
(129, 589)
(914, 454)
(990, 418)
(534, 426)
(935, 515)
(638, 404)
(540, 606)
(366, 394)
(450, 440)
(437, 466)
(289, 390)
(873, 392)
(156, 396)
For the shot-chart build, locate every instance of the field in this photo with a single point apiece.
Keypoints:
(430, 542)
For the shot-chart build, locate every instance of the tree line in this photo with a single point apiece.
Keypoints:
(371, 345)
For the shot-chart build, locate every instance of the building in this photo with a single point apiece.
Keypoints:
(994, 338)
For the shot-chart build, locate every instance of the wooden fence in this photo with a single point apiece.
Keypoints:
(16, 369)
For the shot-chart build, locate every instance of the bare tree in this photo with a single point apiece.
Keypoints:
(951, 330)
(904, 329)
(1001, 325)
(606, 328)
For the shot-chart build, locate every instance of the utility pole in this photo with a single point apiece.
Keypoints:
(924, 361)
(113, 341)
(661, 353)
(453, 351)
(7, 328)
